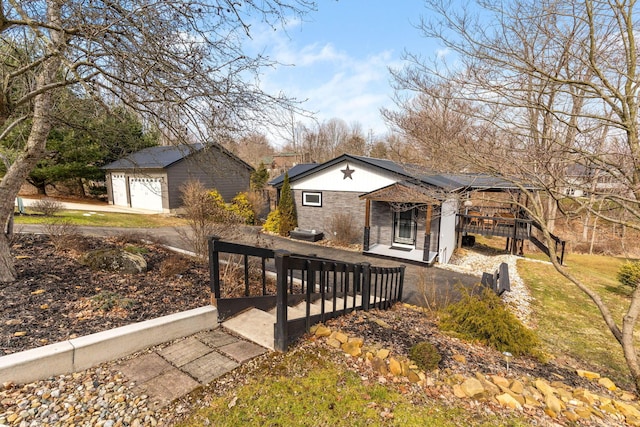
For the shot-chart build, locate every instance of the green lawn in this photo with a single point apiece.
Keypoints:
(569, 322)
(102, 219)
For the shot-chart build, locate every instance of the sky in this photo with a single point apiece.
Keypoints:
(339, 57)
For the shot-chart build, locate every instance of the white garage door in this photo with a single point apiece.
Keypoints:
(119, 190)
(146, 193)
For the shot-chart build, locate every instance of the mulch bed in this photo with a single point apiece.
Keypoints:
(56, 298)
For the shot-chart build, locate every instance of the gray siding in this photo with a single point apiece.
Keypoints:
(213, 169)
(381, 231)
(333, 202)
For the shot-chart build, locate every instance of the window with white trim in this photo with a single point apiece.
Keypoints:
(311, 199)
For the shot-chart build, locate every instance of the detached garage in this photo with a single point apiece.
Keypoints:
(152, 178)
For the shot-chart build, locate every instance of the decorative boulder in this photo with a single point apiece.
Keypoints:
(114, 259)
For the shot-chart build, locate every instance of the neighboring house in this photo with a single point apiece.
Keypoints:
(403, 211)
(581, 181)
(152, 178)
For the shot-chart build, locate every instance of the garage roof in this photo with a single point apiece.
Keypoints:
(164, 156)
(155, 157)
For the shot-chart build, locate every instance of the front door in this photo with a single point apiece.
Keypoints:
(404, 227)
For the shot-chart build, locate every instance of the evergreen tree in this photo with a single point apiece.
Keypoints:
(287, 208)
(259, 177)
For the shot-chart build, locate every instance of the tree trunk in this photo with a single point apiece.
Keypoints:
(34, 150)
(552, 211)
(628, 325)
(7, 268)
(593, 235)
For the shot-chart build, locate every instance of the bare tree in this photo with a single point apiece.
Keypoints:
(179, 63)
(551, 84)
(252, 148)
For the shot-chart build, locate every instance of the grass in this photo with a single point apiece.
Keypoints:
(569, 322)
(102, 219)
(327, 394)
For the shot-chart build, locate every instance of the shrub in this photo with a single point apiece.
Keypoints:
(217, 211)
(483, 317)
(272, 223)
(259, 177)
(343, 229)
(425, 355)
(174, 265)
(199, 207)
(243, 208)
(629, 274)
(47, 207)
(108, 300)
(134, 249)
(287, 208)
(64, 234)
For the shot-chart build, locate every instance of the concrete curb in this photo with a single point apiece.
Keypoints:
(91, 350)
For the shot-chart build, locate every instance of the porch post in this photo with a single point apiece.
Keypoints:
(367, 225)
(427, 234)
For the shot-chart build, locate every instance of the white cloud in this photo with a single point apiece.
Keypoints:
(442, 53)
(335, 83)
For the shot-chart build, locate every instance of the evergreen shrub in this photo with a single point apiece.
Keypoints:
(629, 274)
(425, 355)
(483, 317)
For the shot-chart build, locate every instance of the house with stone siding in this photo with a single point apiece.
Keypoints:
(399, 211)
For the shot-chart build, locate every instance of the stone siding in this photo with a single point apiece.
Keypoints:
(382, 226)
(320, 218)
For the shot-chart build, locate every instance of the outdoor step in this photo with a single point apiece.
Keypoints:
(292, 313)
(258, 326)
(255, 325)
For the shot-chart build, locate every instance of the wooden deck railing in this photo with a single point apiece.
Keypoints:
(505, 224)
(337, 287)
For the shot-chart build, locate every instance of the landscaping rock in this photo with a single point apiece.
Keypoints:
(383, 353)
(379, 366)
(607, 383)
(341, 337)
(508, 401)
(395, 367)
(472, 387)
(322, 331)
(352, 348)
(588, 374)
(114, 259)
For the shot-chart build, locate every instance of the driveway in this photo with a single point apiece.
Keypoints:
(88, 206)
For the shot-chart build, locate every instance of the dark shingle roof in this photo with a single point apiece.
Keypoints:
(155, 157)
(166, 155)
(411, 173)
(293, 172)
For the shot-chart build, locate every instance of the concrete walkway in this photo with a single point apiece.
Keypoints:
(173, 371)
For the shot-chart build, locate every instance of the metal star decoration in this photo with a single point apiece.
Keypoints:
(347, 173)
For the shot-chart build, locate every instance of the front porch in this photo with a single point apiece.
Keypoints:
(402, 222)
(412, 255)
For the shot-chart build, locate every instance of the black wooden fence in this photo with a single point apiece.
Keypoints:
(298, 280)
